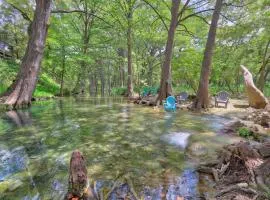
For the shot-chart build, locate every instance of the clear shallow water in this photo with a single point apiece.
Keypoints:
(118, 140)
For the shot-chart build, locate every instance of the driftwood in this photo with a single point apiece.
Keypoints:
(78, 184)
(256, 98)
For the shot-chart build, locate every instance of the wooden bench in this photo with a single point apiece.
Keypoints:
(222, 97)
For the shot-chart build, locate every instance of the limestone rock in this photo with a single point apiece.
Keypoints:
(256, 98)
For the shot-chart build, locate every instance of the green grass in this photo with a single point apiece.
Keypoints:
(3, 88)
(46, 87)
(246, 133)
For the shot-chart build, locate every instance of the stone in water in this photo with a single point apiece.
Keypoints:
(179, 139)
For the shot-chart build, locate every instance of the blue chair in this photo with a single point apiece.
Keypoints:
(170, 104)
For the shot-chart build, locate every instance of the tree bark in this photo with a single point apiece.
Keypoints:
(256, 98)
(261, 80)
(78, 184)
(102, 78)
(27, 77)
(121, 54)
(129, 49)
(88, 21)
(92, 85)
(202, 97)
(63, 72)
(109, 79)
(166, 82)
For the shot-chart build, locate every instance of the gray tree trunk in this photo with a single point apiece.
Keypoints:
(27, 77)
(202, 97)
(166, 82)
(129, 48)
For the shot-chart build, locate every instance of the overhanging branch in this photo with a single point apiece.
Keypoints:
(196, 15)
(155, 10)
(24, 14)
(80, 11)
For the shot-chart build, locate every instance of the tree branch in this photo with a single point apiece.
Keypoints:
(237, 6)
(186, 30)
(196, 15)
(155, 10)
(24, 14)
(183, 9)
(81, 11)
(196, 3)
(68, 11)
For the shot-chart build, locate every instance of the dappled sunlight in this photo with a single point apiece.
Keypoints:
(117, 140)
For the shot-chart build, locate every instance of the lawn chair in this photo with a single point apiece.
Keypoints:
(183, 96)
(222, 97)
(170, 104)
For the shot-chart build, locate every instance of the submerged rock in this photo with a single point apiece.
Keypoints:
(16, 184)
(185, 188)
(197, 149)
(36, 197)
(12, 161)
(179, 139)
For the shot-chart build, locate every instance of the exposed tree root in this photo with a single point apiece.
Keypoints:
(243, 171)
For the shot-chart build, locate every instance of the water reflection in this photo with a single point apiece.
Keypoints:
(117, 140)
(19, 118)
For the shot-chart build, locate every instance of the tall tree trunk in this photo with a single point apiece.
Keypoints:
(121, 54)
(88, 21)
(92, 85)
(102, 80)
(166, 82)
(120, 77)
(63, 72)
(150, 73)
(261, 80)
(202, 98)
(30, 67)
(109, 79)
(129, 49)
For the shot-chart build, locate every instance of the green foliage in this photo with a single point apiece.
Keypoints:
(46, 87)
(8, 72)
(2, 89)
(245, 132)
(119, 91)
(149, 90)
(72, 55)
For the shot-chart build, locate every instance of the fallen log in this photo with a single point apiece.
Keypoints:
(256, 98)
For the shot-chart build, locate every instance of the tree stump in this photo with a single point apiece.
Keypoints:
(78, 184)
(256, 98)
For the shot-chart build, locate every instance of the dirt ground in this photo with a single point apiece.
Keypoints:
(237, 108)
